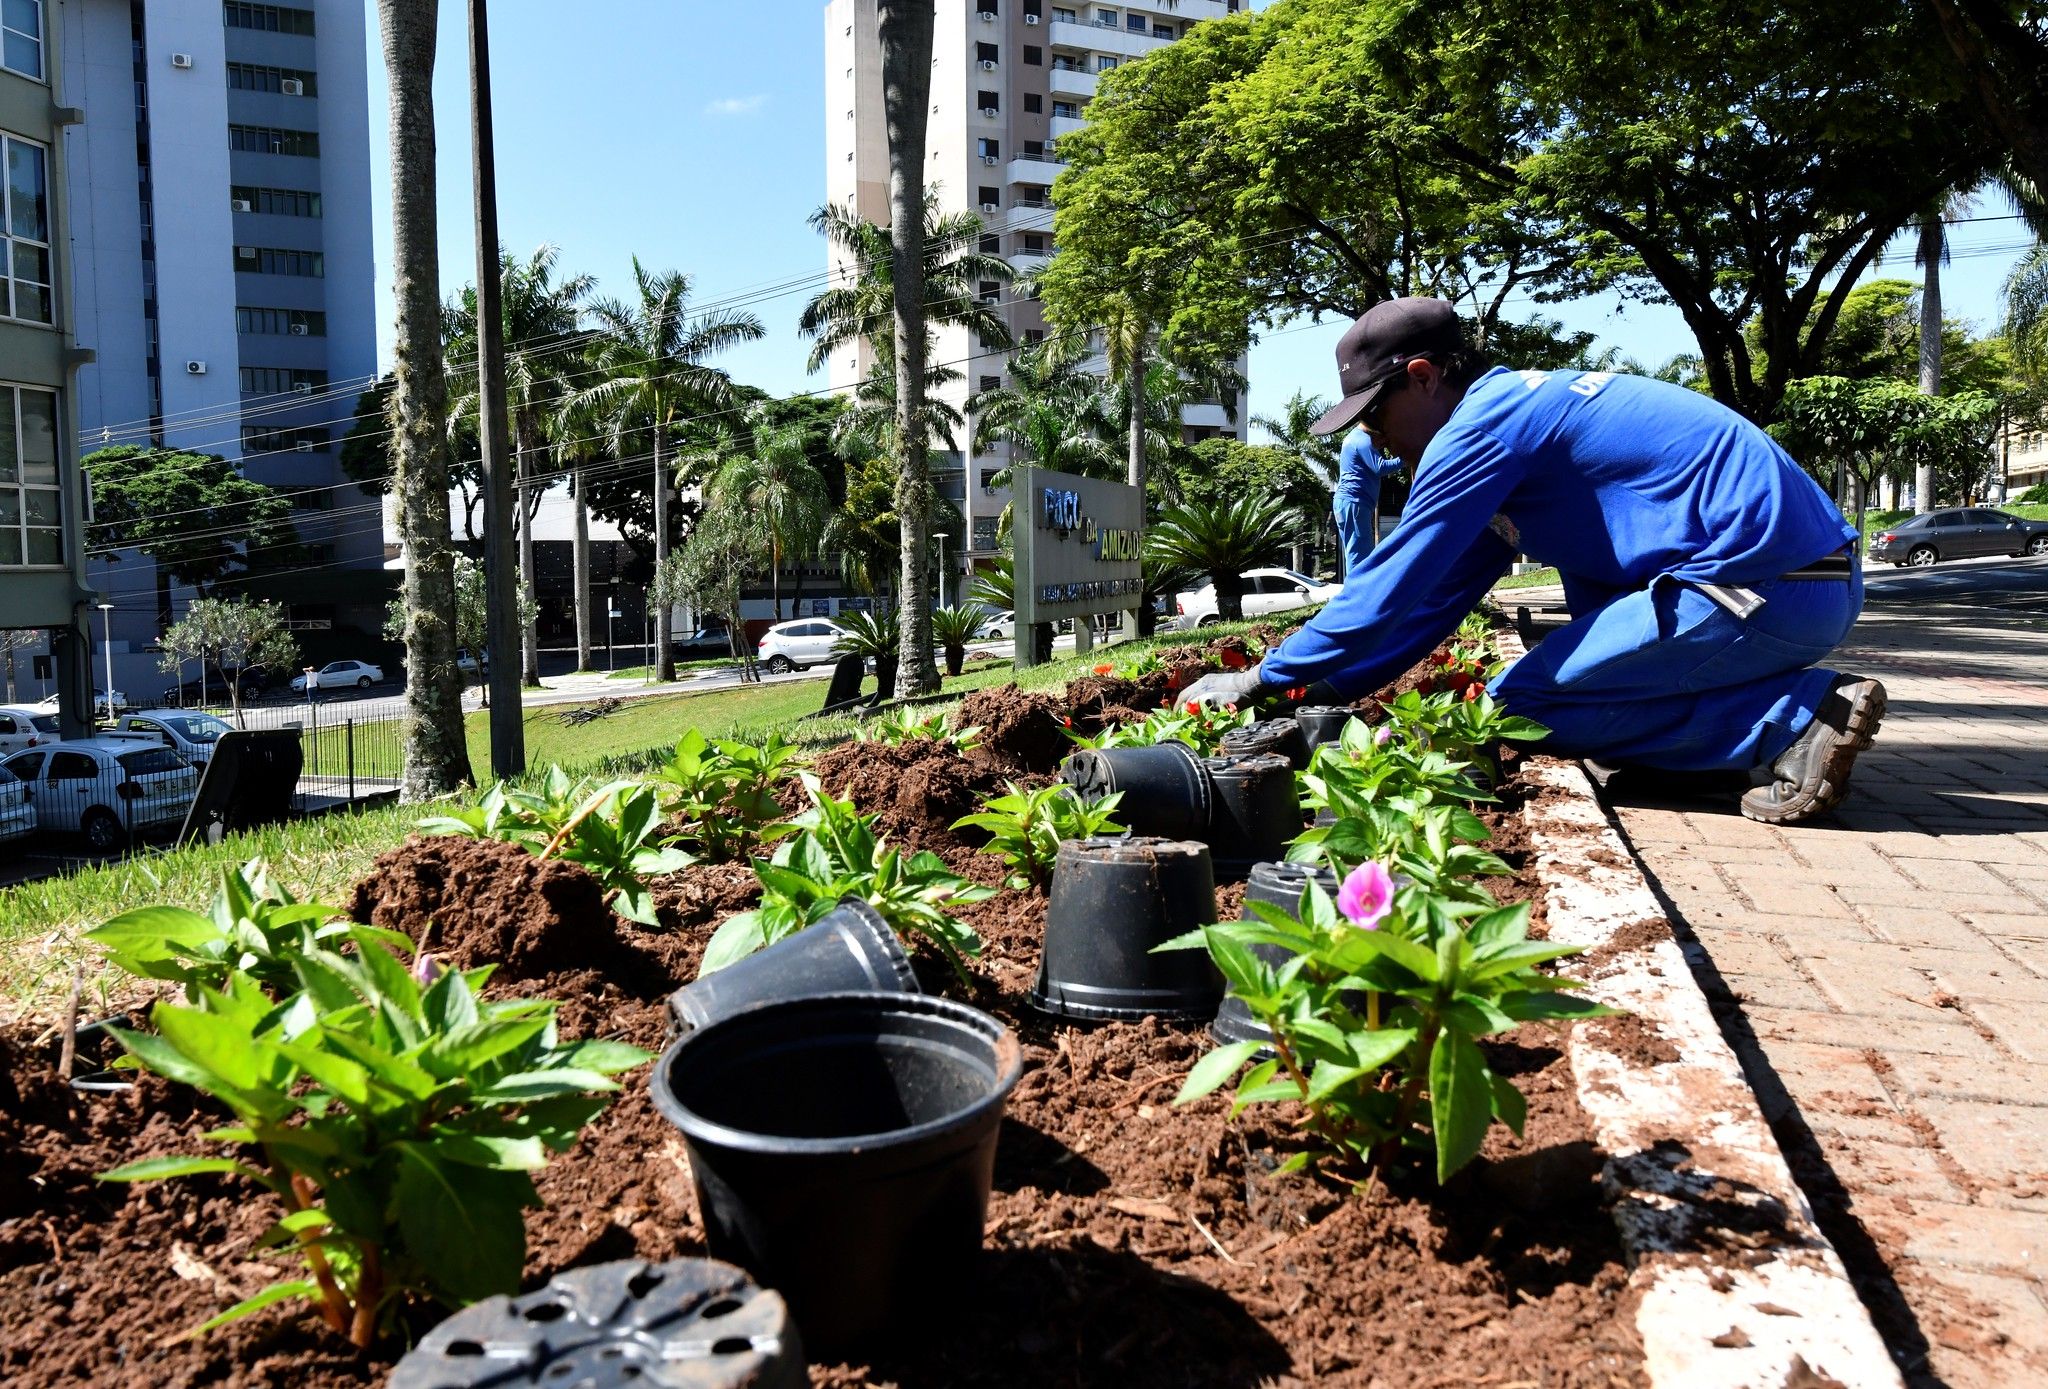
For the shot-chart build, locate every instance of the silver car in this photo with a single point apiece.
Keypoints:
(105, 789)
(17, 815)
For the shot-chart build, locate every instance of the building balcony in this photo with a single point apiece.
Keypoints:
(1100, 38)
(1036, 170)
(1065, 125)
(1030, 262)
(1203, 415)
(1066, 81)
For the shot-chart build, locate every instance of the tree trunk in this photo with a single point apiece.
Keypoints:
(1931, 248)
(580, 563)
(662, 659)
(906, 37)
(529, 630)
(436, 751)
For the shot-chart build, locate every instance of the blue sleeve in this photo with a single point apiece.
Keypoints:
(1407, 595)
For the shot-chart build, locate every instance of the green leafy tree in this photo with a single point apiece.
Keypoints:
(1053, 410)
(2000, 52)
(651, 368)
(193, 514)
(2026, 314)
(1873, 429)
(1222, 539)
(230, 635)
(709, 572)
(776, 482)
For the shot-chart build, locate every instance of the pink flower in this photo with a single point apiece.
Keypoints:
(1367, 895)
(1383, 735)
(426, 969)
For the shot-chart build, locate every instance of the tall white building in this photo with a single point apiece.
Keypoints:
(222, 272)
(1009, 78)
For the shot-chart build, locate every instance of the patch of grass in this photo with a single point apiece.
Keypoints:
(1535, 578)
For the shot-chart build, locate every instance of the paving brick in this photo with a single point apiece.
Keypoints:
(1879, 1176)
(1916, 1074)
(1991, 1331)
(1657, 825)
(1775, 887)
(1983, 1237)
(2002, 1146)
(2020, 1027)
(1932, 930)
(1935, 1036)
(1956, 879)
(2010, 927)
(1879, 979)
(1975, 979)
(1795, 931)
(1732, 828)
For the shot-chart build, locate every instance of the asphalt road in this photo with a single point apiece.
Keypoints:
(1987, 592)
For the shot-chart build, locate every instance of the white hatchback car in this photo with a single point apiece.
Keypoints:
(105, 788)
(794, 645)
(1265, 591)
(188, 732)
(23, 727)
(337, 675)
(17, 816)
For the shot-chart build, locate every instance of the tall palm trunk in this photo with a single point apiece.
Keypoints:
(580, 563)
(436, 753)
(663, 660)
(529, 630)
(1931, 251)
(906, 36)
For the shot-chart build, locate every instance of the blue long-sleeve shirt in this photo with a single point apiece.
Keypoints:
(1614, 479)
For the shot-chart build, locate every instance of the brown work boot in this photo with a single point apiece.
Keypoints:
(1813, 774)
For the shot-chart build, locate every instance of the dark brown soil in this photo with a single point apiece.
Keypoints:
(1022, 730)
(1635, 1041)
(915, 789)
(1127, 1238)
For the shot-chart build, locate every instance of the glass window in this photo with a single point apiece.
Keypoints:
(1162, 31)
(267, 139)
(1135, 23)
(1034, 104)
(271, 19)
(25, 234)
(72, 766)
(150, 761)
(31, 514)
(26, 766)
(1034, 57)
(21, 37)
(1104, 62)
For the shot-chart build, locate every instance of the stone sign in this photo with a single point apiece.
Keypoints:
(1076, 542)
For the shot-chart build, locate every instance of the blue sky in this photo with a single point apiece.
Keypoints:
(691, 134)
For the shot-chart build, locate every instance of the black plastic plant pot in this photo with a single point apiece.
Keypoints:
(1322, 723)
(851, 949)
(1112, 900)
(1253, 811)
(842, 1148)
(1279, 885)
(693, 1322)
(1166, 794)
(1279, 737)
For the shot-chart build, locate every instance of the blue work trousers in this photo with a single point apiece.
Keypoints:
(1666, 677)
(1356, 508)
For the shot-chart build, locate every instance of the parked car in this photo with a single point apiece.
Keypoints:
(464, 662)
(252, 681)
(17, 814)
(24, 727)
(105, 788)
(704, 644)
(49, 703)
(1266, 591)
(1959, 533)
(794, 645)
(336, 675)
(999, 627)
(187, 732)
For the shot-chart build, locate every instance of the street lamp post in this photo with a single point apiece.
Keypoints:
(107, 630)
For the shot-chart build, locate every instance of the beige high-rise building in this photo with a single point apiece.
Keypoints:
(1009, 79)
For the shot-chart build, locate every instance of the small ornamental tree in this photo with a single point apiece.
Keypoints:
(230, 634)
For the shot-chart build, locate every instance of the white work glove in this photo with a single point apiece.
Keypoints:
(1239, 687)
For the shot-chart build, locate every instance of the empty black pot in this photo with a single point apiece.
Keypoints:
(631, 1323)
(1279, 737)
(842, 1148)
(848, 950)
(1322, 723)
(1166, 794)
(1112, 900)
(1253, 811)
(1279, 885)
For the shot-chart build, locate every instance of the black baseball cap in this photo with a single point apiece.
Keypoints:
(1378, 347)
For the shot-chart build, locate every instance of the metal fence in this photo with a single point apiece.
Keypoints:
(345, 757)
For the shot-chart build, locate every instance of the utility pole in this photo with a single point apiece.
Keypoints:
(501, 578)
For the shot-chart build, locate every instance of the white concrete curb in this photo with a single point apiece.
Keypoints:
(1739, 1287)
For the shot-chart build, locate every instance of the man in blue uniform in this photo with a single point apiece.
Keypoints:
(1704, 571)
(1356, 502)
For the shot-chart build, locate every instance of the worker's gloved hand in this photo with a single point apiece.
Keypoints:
(1239, 687)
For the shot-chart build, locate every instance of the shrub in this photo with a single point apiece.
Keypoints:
(724, 792)
(1201, 727)
(1026, 828)
(952, 629)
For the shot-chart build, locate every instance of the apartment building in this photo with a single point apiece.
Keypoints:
(2023, 458)
(43, 579)
(1009, 79)
(221, 240)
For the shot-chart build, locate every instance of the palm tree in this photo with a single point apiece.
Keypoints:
(953, 628)
(436, 752)
(1313, 482)
(650, 361)
(1222, 539)
(540, 323)
(775, 482)
(2026, 314)
(1052, 409)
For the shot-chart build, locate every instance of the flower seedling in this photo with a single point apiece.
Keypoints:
(902, 724)
(1376, 1014)
(1026, 828)
(723, 792)
(398, 1123)
(1201, 727)
(836, 853)
(1464, 726)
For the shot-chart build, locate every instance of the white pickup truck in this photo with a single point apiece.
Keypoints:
(187, 732)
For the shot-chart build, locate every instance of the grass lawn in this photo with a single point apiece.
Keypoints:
(1535, 578)
(40, 922)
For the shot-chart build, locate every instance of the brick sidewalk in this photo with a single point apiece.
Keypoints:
(1884, 976)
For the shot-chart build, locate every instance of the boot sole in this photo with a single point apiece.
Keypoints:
(1866, 714)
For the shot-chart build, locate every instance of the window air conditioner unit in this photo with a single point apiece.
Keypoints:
(988, 16)
(304, 388)
(195, 368)
(988, 65)
(991, 299)
(303, 446)
(181, 60)
(988, 159)
(1031, 19)
(293, 87)
(988, 207)
(245, 252)
(298, 330)
(988, 113)
(244, 205)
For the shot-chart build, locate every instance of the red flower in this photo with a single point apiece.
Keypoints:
(1442, 658)
(1193, 707)
(1066, 721)
(1233, 660)
(1426, 685)
(1473, 691)
(1298, 693)
(1104, 669)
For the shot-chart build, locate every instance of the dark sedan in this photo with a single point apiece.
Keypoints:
(1961, 532)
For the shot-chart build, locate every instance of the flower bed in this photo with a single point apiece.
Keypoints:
(1126, 1236)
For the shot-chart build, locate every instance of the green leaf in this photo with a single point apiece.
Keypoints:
(608, 1058)
(1550, 1006)
(467, 1049)
(156, 1169)
(1242, 968)
(160, 1056)
(738, 938)
(338, 1074)
(276, 1292)
(213, 1042)
(149, 933)
(537, 1085)
(462, 1224)
(485, 1150)
(1217, 1067)
(1509, 1106)
(1460, 1100)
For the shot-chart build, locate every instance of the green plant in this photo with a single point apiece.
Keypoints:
(1201, 727)
(724, 792)
(836, 853)
(902, 723)
(952, 629)
(609, 830)
(1377, 1013)
(873, 635)
(1026, 828)
(1467, 726)
(254, 926)
(397, 1123)
(1222, 539)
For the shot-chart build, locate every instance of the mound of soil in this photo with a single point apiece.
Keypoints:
(915, 789)
(474, 901)
(1020, 729)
